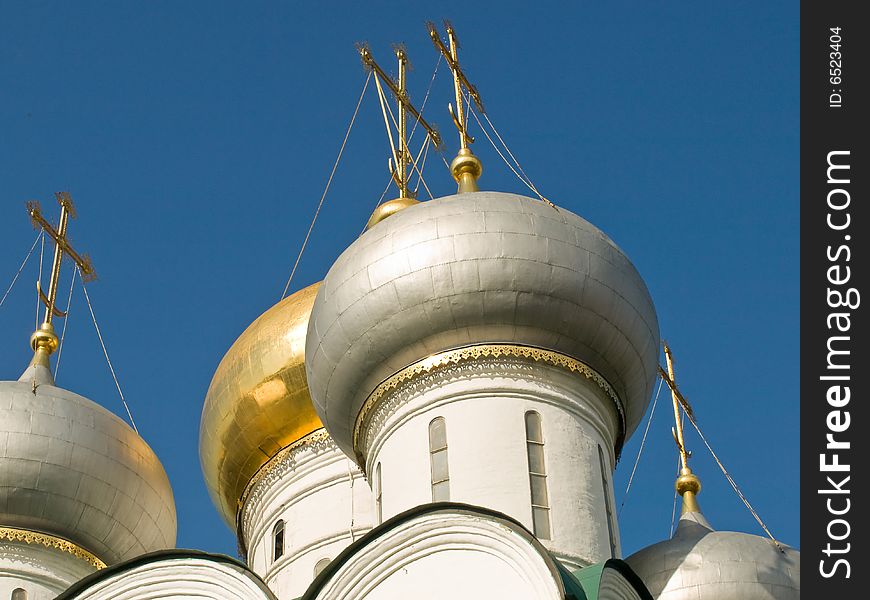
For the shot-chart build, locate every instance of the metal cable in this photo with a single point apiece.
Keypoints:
(380, 200)
(425, 100)
(444, 160)
(516, 162)
(417, 122)
(393, 119)
(384, 108)
(328, 183)
(734, 484)
(523, 178)
(21, 268)
(674, 508)
(420, 172)
(106, 354)
(65, 320)
(423, 167)
(384, 193)
(510, 166)
(640, 450)
(410, 138)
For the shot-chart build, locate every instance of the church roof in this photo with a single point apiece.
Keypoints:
(699, 562)
(70, 468)
(591, 583)
(161, 556)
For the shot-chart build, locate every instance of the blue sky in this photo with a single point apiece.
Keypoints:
(196, 139)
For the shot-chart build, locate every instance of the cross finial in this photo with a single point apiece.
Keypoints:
(404, 156)
(44, 341)
(466, 168)
(688, 485)
(401, 155)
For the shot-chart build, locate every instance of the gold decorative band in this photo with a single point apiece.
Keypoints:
(13, 534)
(448, 358)
(318, 435)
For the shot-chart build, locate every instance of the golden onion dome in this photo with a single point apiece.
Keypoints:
(258, 401)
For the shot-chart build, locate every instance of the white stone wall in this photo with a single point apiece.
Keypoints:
(40, 571)
(484, 403)
(325, 504)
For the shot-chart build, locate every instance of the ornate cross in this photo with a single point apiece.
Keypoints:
(459, 80)
(466, 168)
(679, 401)
(687, 484)
(62, 246)
(402, 156)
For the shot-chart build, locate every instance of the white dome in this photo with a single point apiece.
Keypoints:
(71, 469)
(478, 268)
(699, 563)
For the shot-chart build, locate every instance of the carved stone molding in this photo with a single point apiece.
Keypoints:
(13, 534)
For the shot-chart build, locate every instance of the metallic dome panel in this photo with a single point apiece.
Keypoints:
(480, 267)
(72, 469)
(699, 563)
(258, 401)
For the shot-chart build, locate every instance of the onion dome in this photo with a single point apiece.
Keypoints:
(475, 268)
(70, 469)
(257, 402)
(699, 563)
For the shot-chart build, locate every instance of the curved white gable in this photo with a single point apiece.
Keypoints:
(175, 577)
(451, 553)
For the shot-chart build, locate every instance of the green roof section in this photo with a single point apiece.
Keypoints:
(573, 589)
(589, 579)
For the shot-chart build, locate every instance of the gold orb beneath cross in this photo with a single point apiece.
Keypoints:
(388, 209)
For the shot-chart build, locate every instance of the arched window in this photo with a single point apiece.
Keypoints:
(607, 505)
(19, 594)
(537, 476)
(278, 540)
(379, 492)
(321, 564)
(438, 460)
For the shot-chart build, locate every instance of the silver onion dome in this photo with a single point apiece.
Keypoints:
(71, 469)
(483, 267)
(699, 563)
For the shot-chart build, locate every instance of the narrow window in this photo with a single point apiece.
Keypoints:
(379, 492)
(278, 539)
(19, 594)
(321, 564)
(438, 460)
(537, 476)
(607, 505)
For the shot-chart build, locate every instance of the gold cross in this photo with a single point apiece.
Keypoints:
(460, 81)
(62, 246)
(404, 158)
(679, 401)
(466, 168)
(401, 156)
(687, 484)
